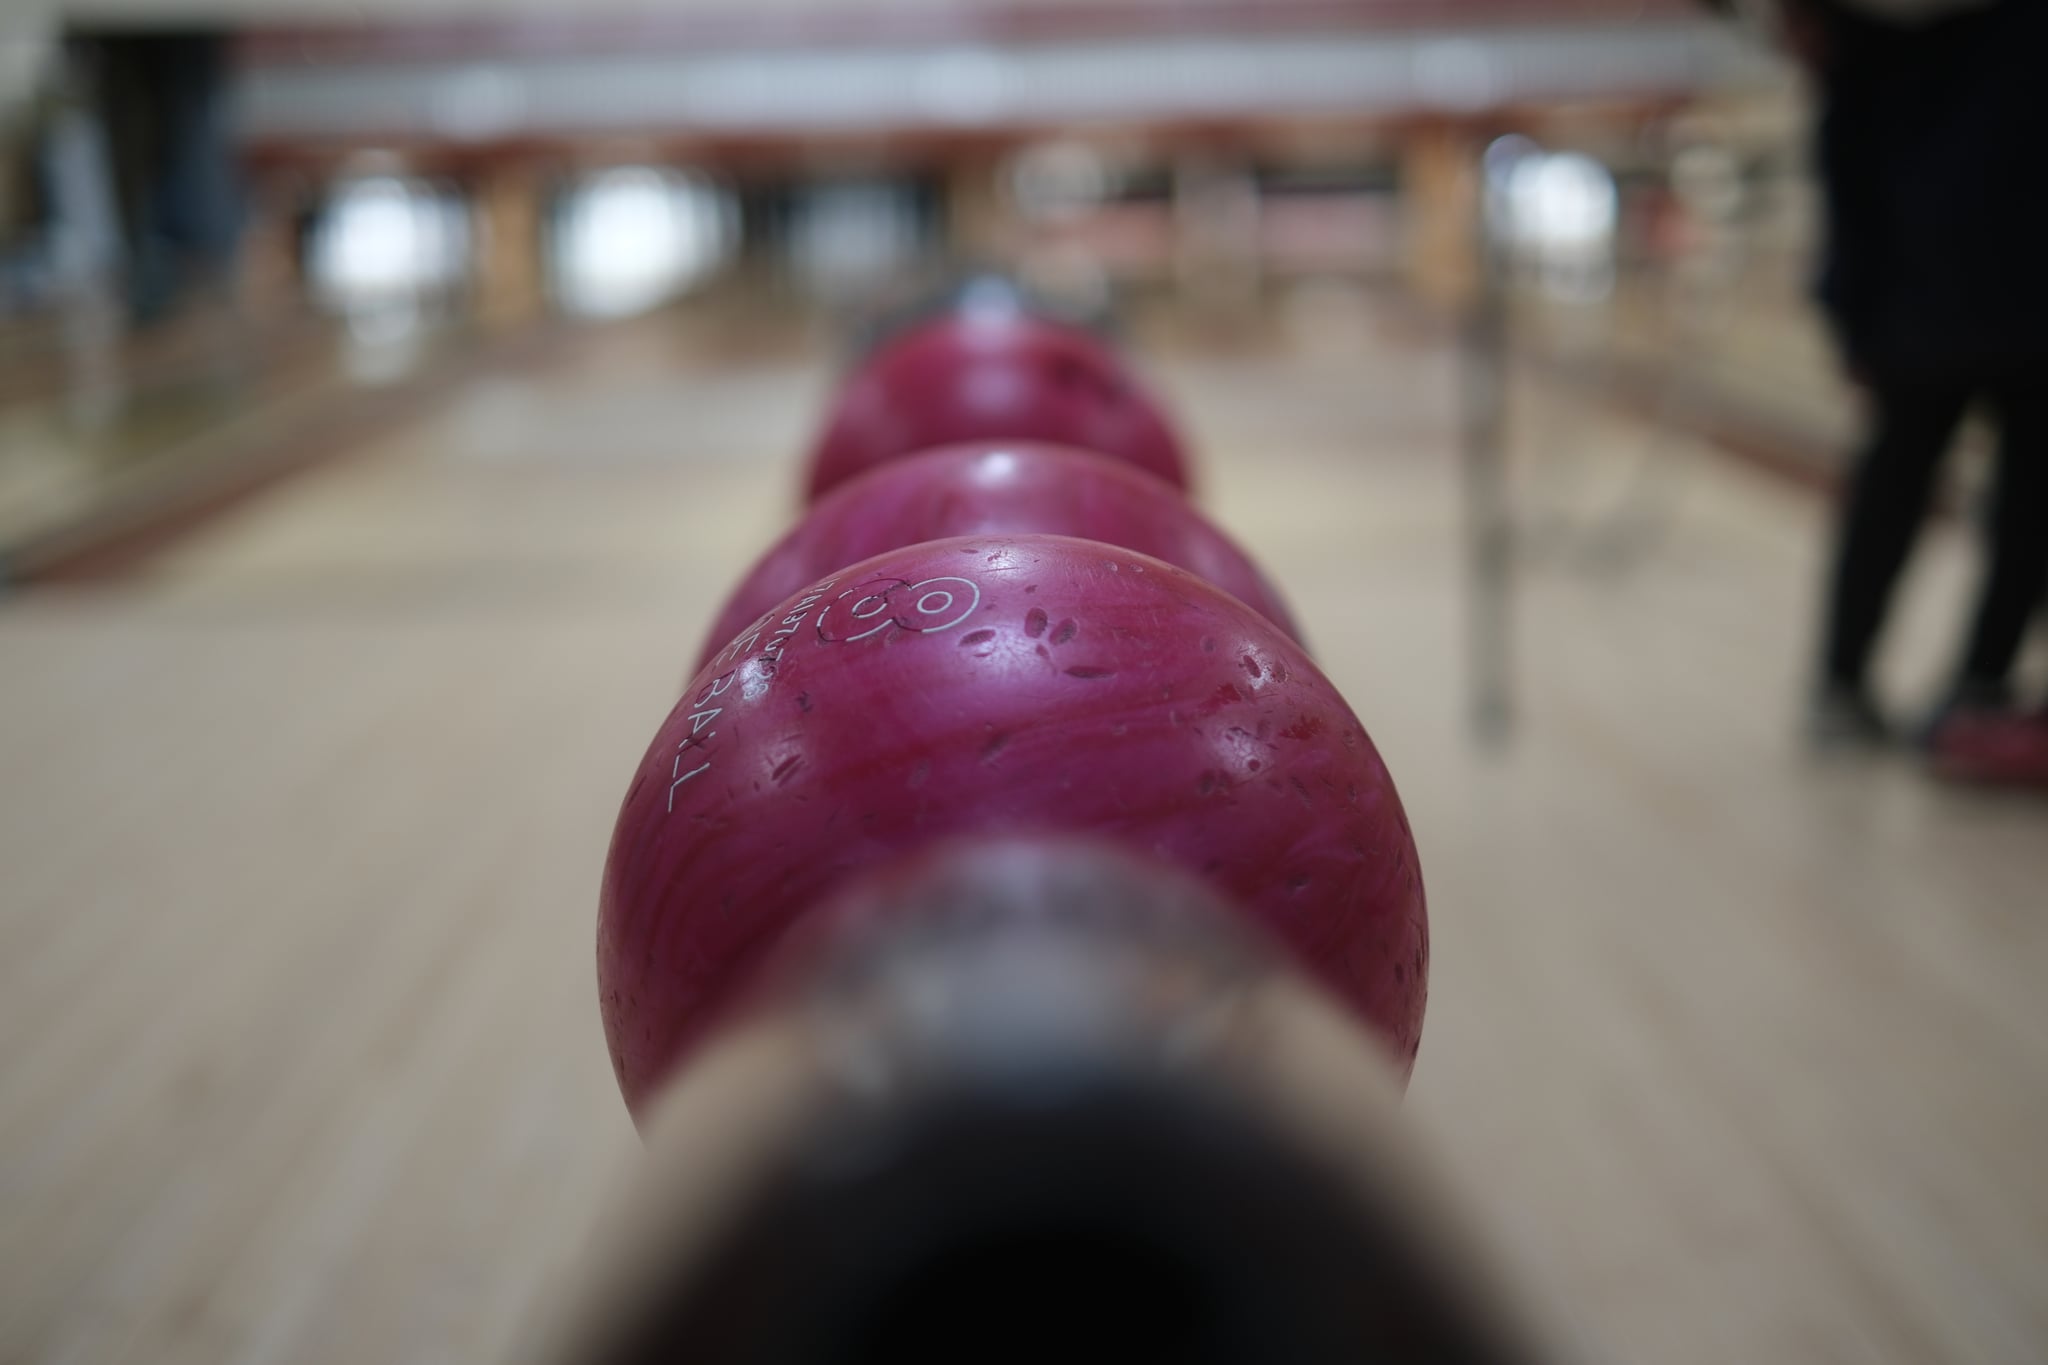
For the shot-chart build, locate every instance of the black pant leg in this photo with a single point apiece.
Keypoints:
(2016, 571)
(1887, 500)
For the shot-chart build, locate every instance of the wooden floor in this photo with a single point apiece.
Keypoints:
(1737, 1055)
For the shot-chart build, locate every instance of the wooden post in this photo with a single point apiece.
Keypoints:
(1440, 191)
(978, 227)
(510, 279)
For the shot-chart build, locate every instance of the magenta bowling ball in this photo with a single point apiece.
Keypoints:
(990, 487)
(973, 376)
(1000, 685)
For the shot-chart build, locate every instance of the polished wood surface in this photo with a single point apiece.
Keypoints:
(1736, 1055)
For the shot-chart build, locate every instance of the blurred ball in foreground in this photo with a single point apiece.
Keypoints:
(1035, 1098)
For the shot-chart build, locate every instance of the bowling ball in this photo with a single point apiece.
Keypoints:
(994, 486)
(1007, 684)
(991, 375)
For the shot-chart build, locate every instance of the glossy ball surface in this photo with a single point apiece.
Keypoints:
(993, 487)
(999, 376)
(1000, 685)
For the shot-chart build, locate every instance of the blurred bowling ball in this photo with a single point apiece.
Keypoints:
(995, 374)
(1009, 684)
(987, 487)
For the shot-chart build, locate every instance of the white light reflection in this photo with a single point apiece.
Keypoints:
(996, 468)
(632, 237)
(386, 242)
(1565, 199)
(1557, 212)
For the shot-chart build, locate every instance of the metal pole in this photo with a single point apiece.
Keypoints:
(1489, 528)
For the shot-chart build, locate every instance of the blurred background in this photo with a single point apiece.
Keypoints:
(390, 393)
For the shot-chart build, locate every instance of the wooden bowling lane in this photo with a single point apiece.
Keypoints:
(1738, 1056)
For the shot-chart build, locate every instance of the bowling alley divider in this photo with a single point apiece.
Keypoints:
(1006, 886)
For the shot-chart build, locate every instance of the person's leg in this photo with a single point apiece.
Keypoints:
(2016, 573)
(1979, 735)
(1881, 515)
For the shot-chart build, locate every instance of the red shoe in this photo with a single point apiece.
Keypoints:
(1990, 746)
